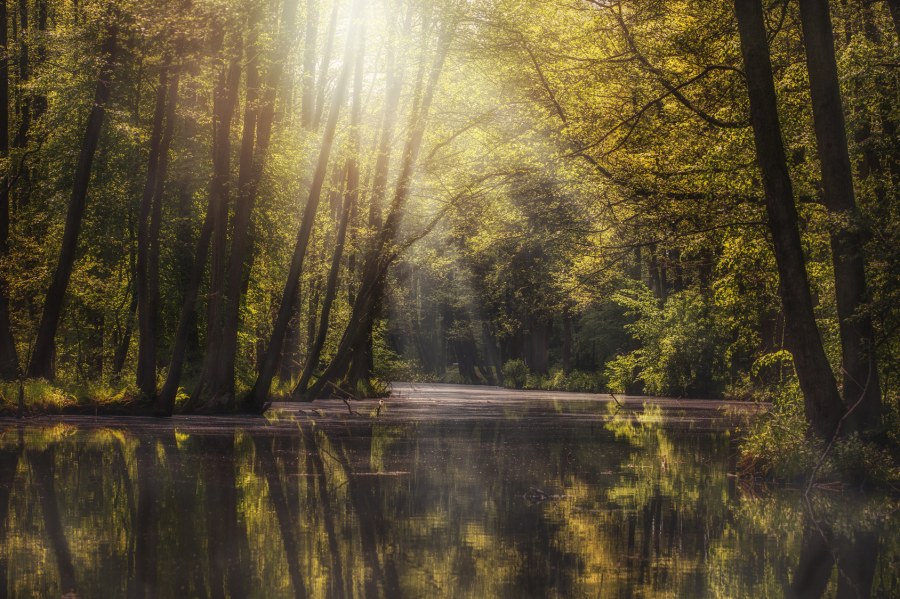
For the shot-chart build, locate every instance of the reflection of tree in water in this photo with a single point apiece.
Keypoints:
(368, 509)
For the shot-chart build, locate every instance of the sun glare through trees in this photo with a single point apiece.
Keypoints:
(240, 207)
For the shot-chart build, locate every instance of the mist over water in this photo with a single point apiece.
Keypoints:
(441, 494)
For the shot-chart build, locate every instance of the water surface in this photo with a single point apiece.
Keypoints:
(441, 492)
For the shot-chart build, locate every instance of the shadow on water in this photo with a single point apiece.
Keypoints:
(320, 505)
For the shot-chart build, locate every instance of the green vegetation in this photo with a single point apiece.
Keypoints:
(207, 206)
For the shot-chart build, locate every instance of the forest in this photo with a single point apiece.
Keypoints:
(208, 205)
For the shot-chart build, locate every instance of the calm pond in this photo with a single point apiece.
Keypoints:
(446, 492)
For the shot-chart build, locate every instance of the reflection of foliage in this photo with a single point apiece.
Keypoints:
(415, 509)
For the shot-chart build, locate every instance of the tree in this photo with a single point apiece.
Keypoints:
(259, 395)
(9, 358)
(861, 385)
(822, 400)
(41, 364)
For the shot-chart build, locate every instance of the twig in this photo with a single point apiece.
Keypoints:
(352, 413)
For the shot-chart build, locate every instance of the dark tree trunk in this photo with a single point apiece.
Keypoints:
(217, 377)
(350, 196)
(823, 404)
(24, 108)
(9, 357)
(677, 270)
(656, 284)
(146, 362)
(860, 367)
(361, 353)
(288, 363)
(124, 342)
(539, 337)
(211, 233)
(41, 365)
(635, 268)
(153, 258)
(259, 116)
(894, 6)
(224, 103)
(259, 394)
(165, 401)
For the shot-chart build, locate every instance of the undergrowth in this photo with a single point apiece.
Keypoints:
(779, 445)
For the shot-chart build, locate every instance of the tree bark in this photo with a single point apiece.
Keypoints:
(259, 117)
(894, 7)
(822, 401)
(41, 364)
(146, 362)
(212, 232)
(224, 103)
(860, 367)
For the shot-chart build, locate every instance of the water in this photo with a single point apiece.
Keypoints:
(447, 492)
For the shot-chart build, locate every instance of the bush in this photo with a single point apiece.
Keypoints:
(679, 345)
(515, 374)
(780, 446)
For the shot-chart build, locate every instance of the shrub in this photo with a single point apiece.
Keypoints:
(515, 374)
(679, 345)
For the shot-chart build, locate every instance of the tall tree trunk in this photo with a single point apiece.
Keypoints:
(259, 117)
(321, 334)
(567, 340)
(9, 357)
(361, 356)
(211, 233)
(351, 196)
(224, 103)
(124, 342)
(41, 364)
(823, 404)
(860, 367)
(259, 394)
(146, 362)
(381, 255)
